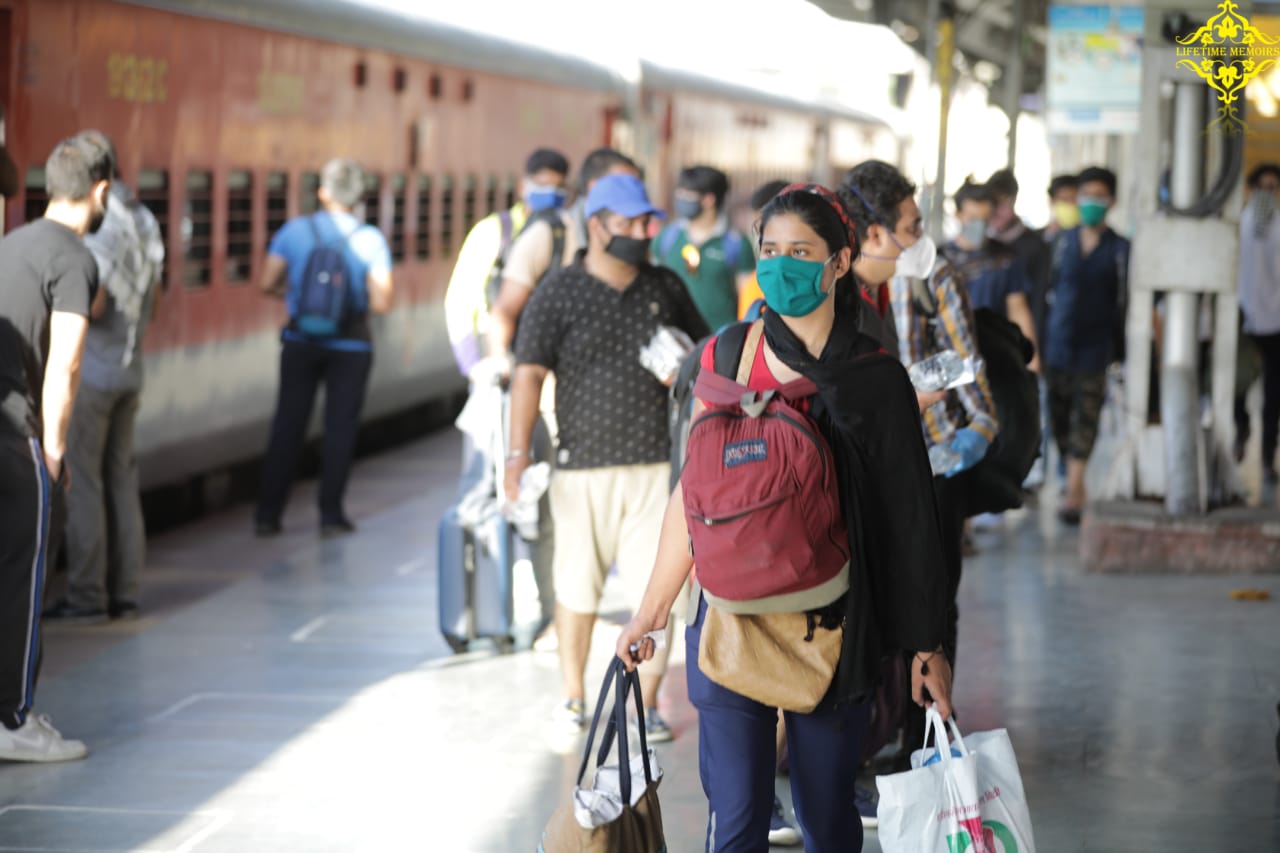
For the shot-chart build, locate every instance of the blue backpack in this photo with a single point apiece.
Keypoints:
(326, 294)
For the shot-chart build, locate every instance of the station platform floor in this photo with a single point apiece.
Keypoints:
(295, 694)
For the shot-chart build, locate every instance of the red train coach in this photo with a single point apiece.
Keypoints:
(224, 111)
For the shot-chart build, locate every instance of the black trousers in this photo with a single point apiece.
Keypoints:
(303, 366)
(25, 500)
(1269, 346)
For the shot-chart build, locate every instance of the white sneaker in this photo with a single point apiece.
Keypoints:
(38, 740)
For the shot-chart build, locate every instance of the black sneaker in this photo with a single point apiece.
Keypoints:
(341, 527)
(71, 615)
(123, 610)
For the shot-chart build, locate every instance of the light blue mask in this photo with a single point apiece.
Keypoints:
(791, 286)
(544, 199)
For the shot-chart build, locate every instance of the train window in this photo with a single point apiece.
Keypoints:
(399, 79)
(197, 229)
(308, 186)
(361, 74)
(490, 194)
(277, 201)
(446, 214)
(36, 197)
(509, 193)
(435, 86)
(422, 234)
(468, 90)
(153, 192)
(373, 200)
(397, 218)
(469, 203)
(239, 226)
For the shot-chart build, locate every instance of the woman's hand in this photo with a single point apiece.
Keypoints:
(634, 635)
(932, 671)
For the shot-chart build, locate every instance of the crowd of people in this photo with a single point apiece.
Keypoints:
(813, 319)
(833, 279)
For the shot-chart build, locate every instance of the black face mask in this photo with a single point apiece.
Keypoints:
(629, 250)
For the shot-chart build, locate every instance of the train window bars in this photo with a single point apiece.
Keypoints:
(469, 203)
(446, 214)
(397, 218)
(490, 194)
(35, 197)
(509, 192)
(422, 234)
(373, 200)
(277, 202)
(153, 192)
(197, 229)
(239, 261)
(308, 186)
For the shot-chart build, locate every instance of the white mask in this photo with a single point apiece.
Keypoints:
(918, 261)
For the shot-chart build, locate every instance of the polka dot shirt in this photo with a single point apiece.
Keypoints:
(610, 410)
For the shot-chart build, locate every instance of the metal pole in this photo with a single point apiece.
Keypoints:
(1179, 383)
(1013, 81)
(944, 68)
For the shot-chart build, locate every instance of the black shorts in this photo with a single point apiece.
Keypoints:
(1075, 408)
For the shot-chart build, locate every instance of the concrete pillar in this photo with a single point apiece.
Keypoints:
(1179, 379)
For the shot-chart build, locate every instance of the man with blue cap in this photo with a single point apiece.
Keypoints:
(588, 324)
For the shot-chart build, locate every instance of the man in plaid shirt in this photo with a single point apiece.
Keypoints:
(926, 307)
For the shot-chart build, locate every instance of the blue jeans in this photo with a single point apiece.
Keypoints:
(737, 761)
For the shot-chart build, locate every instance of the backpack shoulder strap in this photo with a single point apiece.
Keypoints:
(732, 248)
(508, 229)
(750, 347)
(667, 239)
(557, 241)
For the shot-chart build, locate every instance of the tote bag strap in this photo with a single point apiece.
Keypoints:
(623, 682)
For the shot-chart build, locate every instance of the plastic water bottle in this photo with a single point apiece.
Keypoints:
(937, 371)
(942, 459)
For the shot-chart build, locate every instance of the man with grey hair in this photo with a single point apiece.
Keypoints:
(333, 271)
(106, 539)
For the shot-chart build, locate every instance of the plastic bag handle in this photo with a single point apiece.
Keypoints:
(933, 720)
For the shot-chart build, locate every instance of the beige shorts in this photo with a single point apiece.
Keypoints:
(605, 516)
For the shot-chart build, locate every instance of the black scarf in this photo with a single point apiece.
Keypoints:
(866, 409)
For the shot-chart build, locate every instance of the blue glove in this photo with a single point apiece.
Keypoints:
(972, 447)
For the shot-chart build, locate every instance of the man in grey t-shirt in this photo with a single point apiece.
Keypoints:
(48, 296)
(106, 539)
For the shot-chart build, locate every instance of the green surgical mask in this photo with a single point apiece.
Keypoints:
(1092, 211)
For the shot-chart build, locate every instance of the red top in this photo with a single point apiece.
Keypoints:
(762, 378)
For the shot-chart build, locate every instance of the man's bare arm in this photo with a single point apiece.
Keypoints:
(381, 290)
(512, 298)
(272, 279)
(61, 380)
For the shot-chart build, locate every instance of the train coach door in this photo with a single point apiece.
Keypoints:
(8, 170)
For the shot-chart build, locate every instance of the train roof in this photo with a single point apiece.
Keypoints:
(660, 77)
(355, 23)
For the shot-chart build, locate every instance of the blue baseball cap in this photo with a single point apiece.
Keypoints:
(620, 194)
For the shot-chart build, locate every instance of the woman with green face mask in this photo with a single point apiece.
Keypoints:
(877, 470)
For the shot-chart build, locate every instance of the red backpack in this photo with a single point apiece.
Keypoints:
(760, 494)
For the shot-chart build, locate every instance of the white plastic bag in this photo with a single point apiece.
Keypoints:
(971, 804)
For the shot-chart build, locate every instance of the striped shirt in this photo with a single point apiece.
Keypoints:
(923, 332)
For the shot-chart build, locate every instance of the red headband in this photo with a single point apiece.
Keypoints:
(836, 204)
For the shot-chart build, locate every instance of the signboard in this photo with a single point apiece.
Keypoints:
(1094, 69)
(1227, 52)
